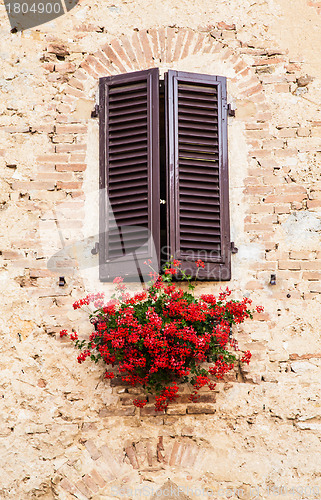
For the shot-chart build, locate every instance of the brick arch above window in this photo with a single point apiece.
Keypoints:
(165, 47)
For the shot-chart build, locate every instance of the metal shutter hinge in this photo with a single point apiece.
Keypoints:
(233, 248)
(95, 111)
(95, 250)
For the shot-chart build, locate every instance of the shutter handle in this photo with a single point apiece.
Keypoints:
(95, 250)
(162, 202)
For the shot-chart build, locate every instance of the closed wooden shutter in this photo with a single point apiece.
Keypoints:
(197, 173)
(129, 173)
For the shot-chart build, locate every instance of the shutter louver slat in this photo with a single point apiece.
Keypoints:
(129, 173)
(197, 171)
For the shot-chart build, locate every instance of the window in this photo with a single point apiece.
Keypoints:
(163, 172)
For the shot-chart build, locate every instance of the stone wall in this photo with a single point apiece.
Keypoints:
(65, 432)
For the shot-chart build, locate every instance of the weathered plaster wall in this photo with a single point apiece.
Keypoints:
(64, 432)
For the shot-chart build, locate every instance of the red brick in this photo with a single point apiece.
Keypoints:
(147, 50)
(54, 176)
(287, 132)
(138, 49)
(264, 116)
(43, 128)
(69, 185)
(271, 198)
(311, 275)
(129, 51)
(109, 57)
(176, 410)
(295, 356)
(30, 185)
(77, 157)
(289, 264)
(284, 208)
(97, 478)
(199, 43)
(114, 466)
(223, 26)
(161, 41)
(170, 43)
(179, 45)
(253, 181)
(153, 32)
(174, 458)
(313, 204)
(75, 92)
(257, 209)
(149, 410)
(73, 128)
(316, 132)
(83, 488)
(130, 452)
(253, 90)
(208, 45)
(300, 255)
(122, 55)
(65, 67)
(256, 227)
(10, 255)
(49, 66)
(253, 285)
(282, 87)
(268, 61)
(80, 75)
(117, 412)
(72, 167)
(257, 134)
(188, 43)
(303, 132)
(98, 63)
(68, 148)
(240, 66)
(246, 83)
(90, 483)
(205, 409)
(92, 449)
(265, 266)
(78, 194)
(315, 286)
(63, 118)
(261, 190)
(313, 264)
(90, 70)
(71, 488)
(66, 138)
(286, 153)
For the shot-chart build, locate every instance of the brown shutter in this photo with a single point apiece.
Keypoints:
(197, 171)
(129, 173)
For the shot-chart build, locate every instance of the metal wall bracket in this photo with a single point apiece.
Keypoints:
(233, 248)
(95, 111)
(95, 250)
(230, 110)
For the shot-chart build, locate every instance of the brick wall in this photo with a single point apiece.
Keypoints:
(80, 435)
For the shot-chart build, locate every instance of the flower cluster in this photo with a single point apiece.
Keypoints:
(163, 335)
